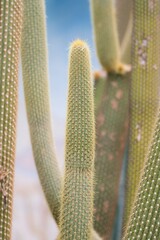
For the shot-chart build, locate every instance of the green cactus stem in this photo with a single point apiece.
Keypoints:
(35, 77)
(10, 36)
(77, 194)
(124, 10)
(106, 35)
(144, 94)
(36, 87)
(144, 219)
(126, 43)
(111, 126)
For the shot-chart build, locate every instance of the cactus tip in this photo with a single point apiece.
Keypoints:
(79, 43)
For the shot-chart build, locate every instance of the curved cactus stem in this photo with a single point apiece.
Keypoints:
(144, 219)
(126, 43)
(77, 194)
(111, 126)
(35, 77)
(124, 11)
(144, 94)
(106, 35)
(10, 36)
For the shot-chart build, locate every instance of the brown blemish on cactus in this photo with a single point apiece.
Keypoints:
(101, 119)
(97, 218)
(102, 188)
(103, 133)
(105, 206)
(112, 136)
(110, 157)
(114, 104)
(119, 94)
(151, 5)
(114, 84)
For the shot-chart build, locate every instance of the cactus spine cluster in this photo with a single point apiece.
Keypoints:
(144, 93)
(77, 194)
(35, 77)
(10, 35)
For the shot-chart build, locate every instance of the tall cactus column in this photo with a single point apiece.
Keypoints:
(144, 222)
(10, 36)
(36, 88)
(111, 98)
(111, 128)
(144, 94)
(77, 195)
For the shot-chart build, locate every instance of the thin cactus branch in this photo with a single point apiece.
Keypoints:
(35, 77)
(106, 35)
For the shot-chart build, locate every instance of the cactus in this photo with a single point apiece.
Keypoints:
(124, 11)
(77, 193)
(111, 100)
(112, 125)
(106, 35)
(144, 94)
(10, 35)
(144, 219)
(35, 77)
(36, 90)
(74, 213)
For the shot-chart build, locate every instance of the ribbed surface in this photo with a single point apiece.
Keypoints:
(144, 95)
(35, 77)
(111, 126)
(106, 34)
(144, 223)
(10, 35)
(77, 194)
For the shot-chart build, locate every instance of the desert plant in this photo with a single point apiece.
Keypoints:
(10, 36)
(77, 193)
(71, 200)
(144, 91)
(36, 89)
(111, 100)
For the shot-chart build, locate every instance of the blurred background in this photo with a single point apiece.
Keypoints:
(67, 20)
